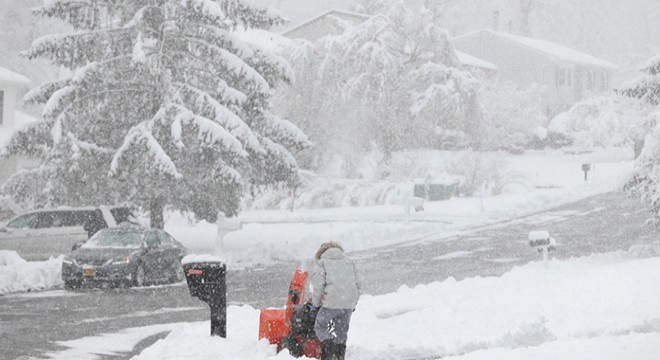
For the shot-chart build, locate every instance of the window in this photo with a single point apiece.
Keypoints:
(46, 220)
(76, 217)
(57, 218)
(165, 239)
(603, 80)
(561, 77)
(564, 77)
(23, 222)
(591, 79)
(123, 215)
(152, 240)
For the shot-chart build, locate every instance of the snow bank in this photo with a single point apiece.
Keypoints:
(530, 312)
(588, 297)
(17, 274)
(192, 341)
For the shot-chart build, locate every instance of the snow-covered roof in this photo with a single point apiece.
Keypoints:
(265, 39)
(470, 60)
(21, 121)
(9, 76)
(356, 16)
(549, 48)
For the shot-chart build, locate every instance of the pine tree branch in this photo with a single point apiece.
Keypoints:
(240, 69)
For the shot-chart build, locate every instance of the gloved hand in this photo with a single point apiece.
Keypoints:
(311, 307)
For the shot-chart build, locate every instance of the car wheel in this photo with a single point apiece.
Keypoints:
(139, 276)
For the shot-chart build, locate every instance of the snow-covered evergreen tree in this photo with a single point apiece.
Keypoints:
(164, 106)
(646, 87)
(645, 183)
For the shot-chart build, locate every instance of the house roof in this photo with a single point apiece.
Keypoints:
(9, 76)
(546, 47)
(470, 60)
(463, 58)
(357, 16)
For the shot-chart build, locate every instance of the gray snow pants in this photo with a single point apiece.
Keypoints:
(341, 319)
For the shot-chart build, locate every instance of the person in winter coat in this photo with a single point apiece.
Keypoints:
(336, 292)
(94, 223)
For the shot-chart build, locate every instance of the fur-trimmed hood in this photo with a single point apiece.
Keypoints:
(327, 246)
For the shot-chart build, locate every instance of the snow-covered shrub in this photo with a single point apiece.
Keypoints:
(479, 171)
(327, 193)
(602, 121)
(511, 115)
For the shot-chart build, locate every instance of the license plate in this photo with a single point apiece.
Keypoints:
(89, 272)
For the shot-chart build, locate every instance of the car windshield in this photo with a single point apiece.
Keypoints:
(115, 239)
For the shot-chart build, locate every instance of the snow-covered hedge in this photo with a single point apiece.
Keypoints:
(379, 182)
(603, 121)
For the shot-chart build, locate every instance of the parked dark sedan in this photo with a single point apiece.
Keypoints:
(125, 256)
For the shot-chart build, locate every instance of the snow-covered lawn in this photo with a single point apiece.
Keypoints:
(602, 307)
(535, 181)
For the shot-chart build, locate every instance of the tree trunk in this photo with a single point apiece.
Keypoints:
(156, 212)
(639, 145)
(526, 7)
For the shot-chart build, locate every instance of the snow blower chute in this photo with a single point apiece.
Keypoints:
(292, 328)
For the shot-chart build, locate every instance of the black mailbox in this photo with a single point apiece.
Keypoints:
(207, 280)
(586, 167)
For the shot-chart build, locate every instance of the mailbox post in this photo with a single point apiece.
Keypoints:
(543, 243)
(586, 167)
(207, 280)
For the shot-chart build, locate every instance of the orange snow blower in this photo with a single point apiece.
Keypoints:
(292, 328)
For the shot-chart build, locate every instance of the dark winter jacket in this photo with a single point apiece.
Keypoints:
(334, 279)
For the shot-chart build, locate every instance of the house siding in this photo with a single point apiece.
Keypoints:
(10, 84)
(525, 66)
(514, 63)
(8, 103)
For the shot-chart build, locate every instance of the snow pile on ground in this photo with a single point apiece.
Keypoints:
(17, 274)
(530, 312)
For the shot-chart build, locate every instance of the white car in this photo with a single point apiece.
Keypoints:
(40, 234)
